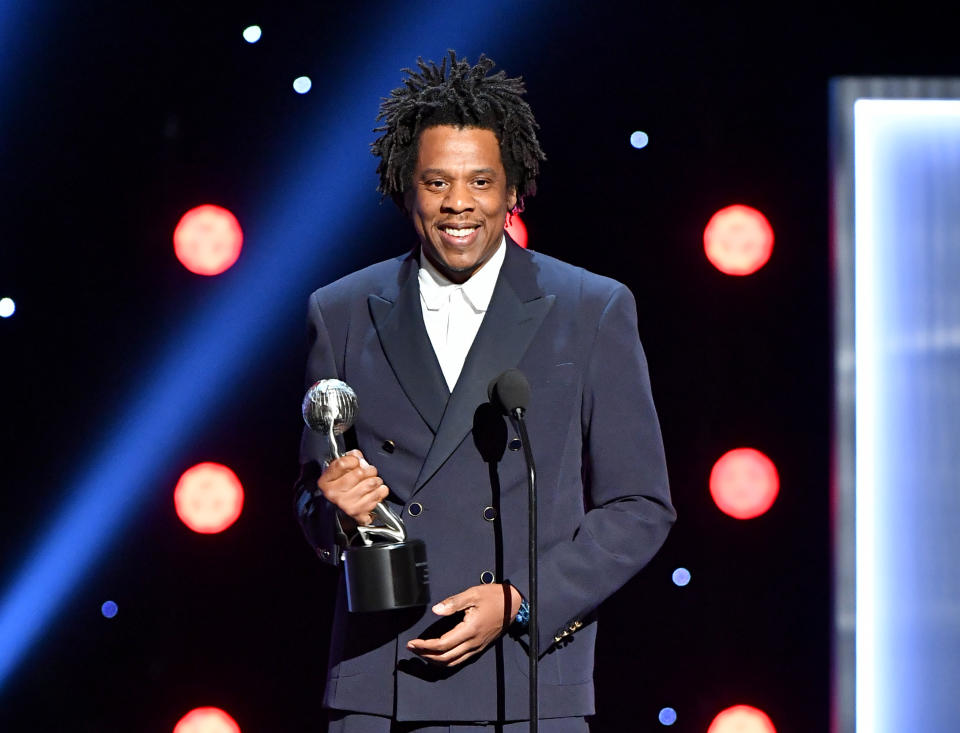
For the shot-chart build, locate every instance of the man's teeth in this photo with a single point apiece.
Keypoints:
(459, 232)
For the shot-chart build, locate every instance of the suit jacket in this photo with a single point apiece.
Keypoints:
(604, 503)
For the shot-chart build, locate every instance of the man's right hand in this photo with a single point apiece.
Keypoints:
(353, 486)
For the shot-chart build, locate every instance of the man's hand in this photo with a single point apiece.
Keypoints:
(353, 486)
(488, 610)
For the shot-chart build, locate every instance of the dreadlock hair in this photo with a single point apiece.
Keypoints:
(463, 96)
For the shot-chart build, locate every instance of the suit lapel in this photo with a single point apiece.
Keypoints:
(398, 318)
(517, 308)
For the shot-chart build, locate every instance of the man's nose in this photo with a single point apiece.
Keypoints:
(458, 199)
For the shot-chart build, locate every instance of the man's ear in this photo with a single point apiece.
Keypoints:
(511, 198)
(405, 201)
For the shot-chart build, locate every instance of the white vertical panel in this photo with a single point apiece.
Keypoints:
(904, 434)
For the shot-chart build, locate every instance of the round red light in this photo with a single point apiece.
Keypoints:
(744, 483)
(208, 498)
(206, 720)
(738, 240)
(742, 719)
(208, 240)
(517, 229)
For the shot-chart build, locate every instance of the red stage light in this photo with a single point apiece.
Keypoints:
(517, 229)
(742, 719)
(738, 240)
(744, 483)
(206, 720)
(208, 240)
(208, 498)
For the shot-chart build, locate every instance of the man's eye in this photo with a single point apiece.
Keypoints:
(435, 184)
(482, 182)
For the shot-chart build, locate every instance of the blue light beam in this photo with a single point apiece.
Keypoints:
(311, 202)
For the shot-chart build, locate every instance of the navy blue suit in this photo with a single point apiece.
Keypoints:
(604, 501)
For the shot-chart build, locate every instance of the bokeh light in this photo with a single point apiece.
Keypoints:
(667, 716)
(7, 307)
(207, 720)
(744, 483)
(738, 240)
(517, 229)
(252, 33)
(742, 719)
(681, 577)
(109, 609)
(208, 498)
(208, 240)
(302, 84)
(639, 139)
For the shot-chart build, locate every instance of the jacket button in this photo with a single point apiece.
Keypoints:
(489, 513)
(414, 509)
(516, 444)
(323, 553)
(388, 446)
(487, 577)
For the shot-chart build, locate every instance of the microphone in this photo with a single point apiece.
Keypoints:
(511, 391)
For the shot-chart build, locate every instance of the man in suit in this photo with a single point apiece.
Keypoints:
(419, 338)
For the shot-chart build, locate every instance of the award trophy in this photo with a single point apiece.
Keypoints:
(385, 570)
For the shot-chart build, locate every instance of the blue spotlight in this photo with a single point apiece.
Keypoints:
(7, 307)
(668, 716)
(316, 210)
(109, 609)
(302, 84)
(681, 576)
(639, 139)
(252, 33)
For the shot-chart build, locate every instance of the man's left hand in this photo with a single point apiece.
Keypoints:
(488, 610)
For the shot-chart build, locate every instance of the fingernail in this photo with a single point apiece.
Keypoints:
(438, 608)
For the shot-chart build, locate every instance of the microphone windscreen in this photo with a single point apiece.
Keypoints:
(511, 389)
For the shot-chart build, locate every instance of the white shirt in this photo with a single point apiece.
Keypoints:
(453, 313)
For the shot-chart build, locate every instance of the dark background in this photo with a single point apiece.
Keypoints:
(116, 118)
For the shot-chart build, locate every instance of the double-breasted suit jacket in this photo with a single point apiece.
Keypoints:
(459, 483)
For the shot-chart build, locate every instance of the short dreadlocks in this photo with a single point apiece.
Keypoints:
(464, 96)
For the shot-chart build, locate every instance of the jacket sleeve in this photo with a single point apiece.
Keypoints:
(625, 482)
(317, 517)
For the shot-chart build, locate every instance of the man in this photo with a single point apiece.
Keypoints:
(419, 338)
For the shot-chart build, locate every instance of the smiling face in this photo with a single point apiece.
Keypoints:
(459, 198)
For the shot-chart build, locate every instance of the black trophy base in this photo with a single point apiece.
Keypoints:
(381, 577)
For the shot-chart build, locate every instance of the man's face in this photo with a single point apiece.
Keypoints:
(459, 198)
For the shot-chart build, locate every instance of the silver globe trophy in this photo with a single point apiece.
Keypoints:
(385, 570)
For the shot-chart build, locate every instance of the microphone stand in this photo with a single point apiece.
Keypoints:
(517, 418)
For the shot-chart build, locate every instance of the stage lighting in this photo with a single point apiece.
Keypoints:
(208, 240)
(639, 139)
(681, 577)
(208, 498)
(207, 720)
(7, 307)
(517, 229)
(742, 719)
(738, 240)
(109, 609)
(667, 716)
(252, 33)
(302, 84)
(744, 483)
